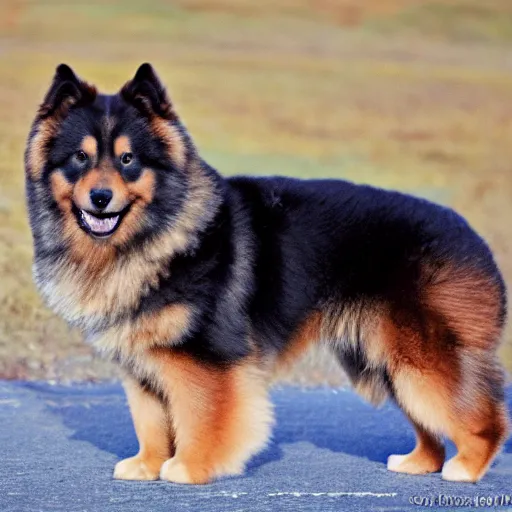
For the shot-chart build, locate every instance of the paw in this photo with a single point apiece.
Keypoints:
(455, 471)
(173, 470)
(395, 462)
(134, 469)
(413, 464)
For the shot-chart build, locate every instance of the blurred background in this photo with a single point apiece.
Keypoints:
(414, 95)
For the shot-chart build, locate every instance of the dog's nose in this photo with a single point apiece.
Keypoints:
(100, 197)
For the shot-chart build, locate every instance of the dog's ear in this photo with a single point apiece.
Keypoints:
(146, 92)
(66, 91)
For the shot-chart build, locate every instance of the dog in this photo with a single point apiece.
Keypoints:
(202, 288)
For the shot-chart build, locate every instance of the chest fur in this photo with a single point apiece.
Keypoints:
(132, 338)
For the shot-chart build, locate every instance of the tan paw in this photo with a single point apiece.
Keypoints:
(413, 464)
(455, 471)
(175, 471)
(134, 469)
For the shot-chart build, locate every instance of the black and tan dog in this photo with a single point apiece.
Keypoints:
(201, 287)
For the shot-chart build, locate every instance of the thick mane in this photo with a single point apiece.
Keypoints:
(92, 286)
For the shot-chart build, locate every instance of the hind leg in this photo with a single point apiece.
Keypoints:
(427, 456)
(475, 421)
(478, 441)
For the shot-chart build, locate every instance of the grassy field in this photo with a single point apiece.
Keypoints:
(408, 94)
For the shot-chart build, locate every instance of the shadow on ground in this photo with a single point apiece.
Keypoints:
(104, 421)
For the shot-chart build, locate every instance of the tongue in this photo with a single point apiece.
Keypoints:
(100, 225)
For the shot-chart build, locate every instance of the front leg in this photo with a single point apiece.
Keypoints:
(221, 417)
(154, 433)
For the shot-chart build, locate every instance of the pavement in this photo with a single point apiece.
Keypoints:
(59, 445)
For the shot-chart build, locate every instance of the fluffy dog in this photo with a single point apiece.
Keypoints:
(201, 287)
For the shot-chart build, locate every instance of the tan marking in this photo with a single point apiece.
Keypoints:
(143, 188)
(62, 190)
(471, 304)
(220, 417)
(307, 334)
(154, 433)
(90, 146)
(122, 145)
(37, 152)
(427, 456)
(172, 138)
(161, 328)
(425, 396)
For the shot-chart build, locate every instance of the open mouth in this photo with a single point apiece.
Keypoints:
(99, 224)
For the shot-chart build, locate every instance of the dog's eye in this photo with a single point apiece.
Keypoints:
(80, 157)
(126, 158)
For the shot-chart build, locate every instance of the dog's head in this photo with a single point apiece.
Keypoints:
(106, 170)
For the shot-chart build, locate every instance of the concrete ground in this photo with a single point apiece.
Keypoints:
(59, 445)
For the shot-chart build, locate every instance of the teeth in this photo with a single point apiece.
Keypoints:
(97, 225)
